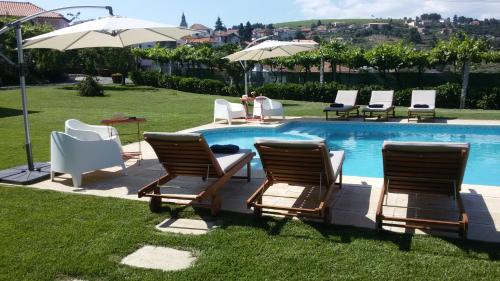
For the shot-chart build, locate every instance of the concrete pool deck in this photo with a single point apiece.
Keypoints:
(355, 204)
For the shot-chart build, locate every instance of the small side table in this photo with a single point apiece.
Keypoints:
(128, 120)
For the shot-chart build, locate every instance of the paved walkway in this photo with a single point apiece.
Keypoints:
(354, 204)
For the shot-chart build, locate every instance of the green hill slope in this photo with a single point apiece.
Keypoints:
(307, 23)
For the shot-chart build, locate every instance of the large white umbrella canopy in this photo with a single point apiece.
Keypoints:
(272, 49)
(107, 32)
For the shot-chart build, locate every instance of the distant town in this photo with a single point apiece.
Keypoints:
(423, 31)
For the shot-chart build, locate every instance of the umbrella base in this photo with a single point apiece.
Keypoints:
(23, 176)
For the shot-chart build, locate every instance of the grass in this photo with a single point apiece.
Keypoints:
(48, 235)
(165, 110)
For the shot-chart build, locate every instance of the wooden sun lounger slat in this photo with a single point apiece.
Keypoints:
(302, 166)
(422, 169)
(189, 155)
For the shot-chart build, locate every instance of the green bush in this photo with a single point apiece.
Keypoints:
(448, 95)
(211, 87)
(190, 84)
(402, 97)
(117, 78)
(90, 88)
(489, 99)
(147, 78)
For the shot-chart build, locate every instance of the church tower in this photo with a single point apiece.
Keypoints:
(183, 21)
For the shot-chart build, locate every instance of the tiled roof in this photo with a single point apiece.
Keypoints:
(24, 9)
(200, 40)
(198, 26)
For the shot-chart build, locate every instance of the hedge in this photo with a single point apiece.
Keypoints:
(448, 95)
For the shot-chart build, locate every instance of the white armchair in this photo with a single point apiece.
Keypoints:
(75, 156)
(266, 107)
(228, 110)
(86, 132)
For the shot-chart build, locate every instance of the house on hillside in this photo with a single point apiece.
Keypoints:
(24, 9)
(203, 31)
(377, 25)
(261, 32)
(284, 33)
(229, 36)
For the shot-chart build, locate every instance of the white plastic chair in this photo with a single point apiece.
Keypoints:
(266, 107)
(226, 110)
(83, 131)
(75, 156)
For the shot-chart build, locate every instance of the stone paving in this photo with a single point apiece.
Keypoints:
(355, 204)
(163, 258)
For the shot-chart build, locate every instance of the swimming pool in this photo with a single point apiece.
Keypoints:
(362, 143)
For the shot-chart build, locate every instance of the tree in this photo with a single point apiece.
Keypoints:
(219, 26)
(299, 35)
(414, 36)
(387, 57)
(247, 32)
(462, 50)
(333, 52)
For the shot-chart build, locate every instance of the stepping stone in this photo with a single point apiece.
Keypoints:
(187, 226)
(162, 258)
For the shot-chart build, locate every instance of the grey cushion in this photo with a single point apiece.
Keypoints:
(173, 136)
(413, 109)
(227, 161)
(337, 160)
(344, 108)
(382, 109)
(290, 143)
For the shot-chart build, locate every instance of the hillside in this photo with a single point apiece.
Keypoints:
(307, 23)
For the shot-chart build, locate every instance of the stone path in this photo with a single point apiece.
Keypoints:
(166, 259)
(187, 226)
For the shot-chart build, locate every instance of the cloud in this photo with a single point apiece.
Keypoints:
(397, 9)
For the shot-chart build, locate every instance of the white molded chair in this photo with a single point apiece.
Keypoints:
(266, 107)
(75, 156)
(83, 131)
(226, 110)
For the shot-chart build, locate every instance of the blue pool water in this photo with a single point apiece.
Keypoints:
(362, 143)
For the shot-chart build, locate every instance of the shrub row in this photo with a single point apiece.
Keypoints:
(448, 95)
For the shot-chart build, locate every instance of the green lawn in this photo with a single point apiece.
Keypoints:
(165, 110)
(48, 235)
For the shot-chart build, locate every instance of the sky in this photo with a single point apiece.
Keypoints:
(232, 12)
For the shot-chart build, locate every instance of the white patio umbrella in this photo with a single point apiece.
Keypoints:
(107, 32)
(270, 49)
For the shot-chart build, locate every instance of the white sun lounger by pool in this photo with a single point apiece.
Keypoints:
(384, 100)
(348, 100)
(422, 102)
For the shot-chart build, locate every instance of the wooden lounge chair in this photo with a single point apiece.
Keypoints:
(419, 99)
(302, 163)
(383, 99)
(348, 99)
(417, 168)
(190, 155)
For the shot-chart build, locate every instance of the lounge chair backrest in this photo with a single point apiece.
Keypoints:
(304, 163)
(424, 97)
(382, 97)
(346, 97)
(184, 154)
(432, 167)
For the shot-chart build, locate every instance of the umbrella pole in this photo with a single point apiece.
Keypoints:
(22, 86)
(246, 77)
